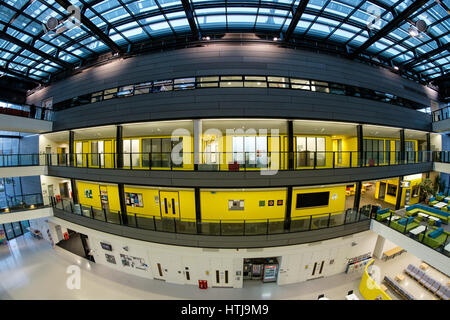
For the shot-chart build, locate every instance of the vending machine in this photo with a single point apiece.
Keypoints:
(270, 272)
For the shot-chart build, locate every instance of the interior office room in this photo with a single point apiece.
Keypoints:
(255, 151)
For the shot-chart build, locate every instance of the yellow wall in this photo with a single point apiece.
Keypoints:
(334, 206)
(414, 182)
(152, 207)
(348, 144)
(214, 204)
(113, 195)
(388, 198)
(369, 289)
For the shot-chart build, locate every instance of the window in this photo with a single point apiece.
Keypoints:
(163, 85)
(255, 82)
(278, 82)
(236, 205)
(319, 86)
(300, 84)
(97, 96)
(110, 94)
(310, 148)
(316, 199)
(374, 151)
(208, 82)
(131, 153)
(143, 88)
(125, 91)
(391, 189)
(231, 81)
(159, 150)
(184, 84)
(251, 151)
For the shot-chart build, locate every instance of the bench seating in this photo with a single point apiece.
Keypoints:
(433, 242)
(396, 287)
(383, 214)
(439, 289)
(399, 226)
(441, 214)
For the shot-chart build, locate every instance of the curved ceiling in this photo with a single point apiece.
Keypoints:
(388, 30)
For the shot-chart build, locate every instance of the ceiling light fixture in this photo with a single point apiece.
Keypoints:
(413, 32)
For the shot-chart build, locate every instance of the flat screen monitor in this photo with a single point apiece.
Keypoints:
(316, 199)
(405, 184)
(106, 246)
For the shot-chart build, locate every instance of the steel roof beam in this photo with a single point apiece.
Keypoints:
(19, 75)
(26, 46)
(190, 16)
(93, 28)
(295, 19)
(394, 23)
(426, 56)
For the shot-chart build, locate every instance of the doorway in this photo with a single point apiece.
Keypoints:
(104, 197)
(64, 190)
(169, 204)
(382, 191)
(261, 269)
(317, 270)
(76, 243)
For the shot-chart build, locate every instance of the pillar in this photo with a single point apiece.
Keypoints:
(197, 142)
(379, 246)
(119, 147)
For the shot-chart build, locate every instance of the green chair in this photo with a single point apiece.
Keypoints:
(431, 222)
(419, 218)
(440, 198)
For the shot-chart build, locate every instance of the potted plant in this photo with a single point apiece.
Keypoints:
(426, 189)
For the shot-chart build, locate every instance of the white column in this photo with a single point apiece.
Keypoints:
(379, 246)
(197, 140)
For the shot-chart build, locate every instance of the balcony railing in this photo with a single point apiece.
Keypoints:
(215, 227)
(440, 244)
(441, 114)
(23, 202)
(26, 111)
(441, 156)
(243, 227)
(237, 161)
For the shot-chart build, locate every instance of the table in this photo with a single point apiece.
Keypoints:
(324, 298)
(393, 218)
(447, 198)
(423, 214)
(447, 248)
(440, 205)
(423, 266)
(393, 252)
(399, 277)
(433, 218)
(351, 297)
(417, 230)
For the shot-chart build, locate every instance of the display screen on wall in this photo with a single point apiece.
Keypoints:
(236, 205)
(134, 199)
(88, 193)
(106, 246)
(405, 184)
(391, 190)
(316, 199)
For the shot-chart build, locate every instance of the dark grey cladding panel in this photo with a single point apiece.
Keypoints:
(203, 241)
(238, 179)
(238, 102)
(233, 59)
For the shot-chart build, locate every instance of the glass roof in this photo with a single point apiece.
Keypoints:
(28, 48)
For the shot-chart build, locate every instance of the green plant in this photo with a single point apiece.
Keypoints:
(426, 188)
(437, 182)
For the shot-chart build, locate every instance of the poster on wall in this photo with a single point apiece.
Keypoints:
(134, 199)
(88, 193)
(133, 262)
(2, 237)
(110, 258)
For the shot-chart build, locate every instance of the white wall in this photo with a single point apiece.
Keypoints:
(203, 263)
(25, 215)
(436, 141)
(48, 180)
(45, 141)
